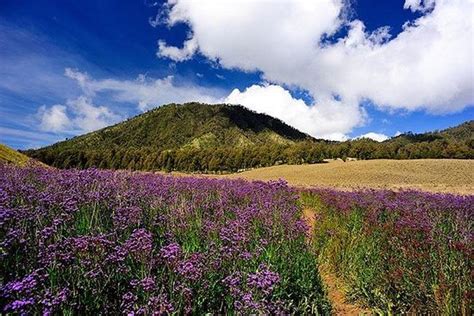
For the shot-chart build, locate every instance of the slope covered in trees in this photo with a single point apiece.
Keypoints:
(224, 138)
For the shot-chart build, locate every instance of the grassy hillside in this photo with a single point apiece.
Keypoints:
(190, 125)
(9, 155)
(186, 137)
(196, 137)
(461, 133)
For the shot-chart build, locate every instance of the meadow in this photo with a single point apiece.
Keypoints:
(90, 242)
(117, 242)
(434, 175)
(406, 252)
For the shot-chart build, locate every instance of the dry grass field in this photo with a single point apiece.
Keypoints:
(10, 155)
(436, 175)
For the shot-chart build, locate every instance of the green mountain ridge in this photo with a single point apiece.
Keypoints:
(197, 125)
(227, 138)
(461, 132)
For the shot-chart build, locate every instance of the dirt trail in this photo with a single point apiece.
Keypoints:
(334, 285)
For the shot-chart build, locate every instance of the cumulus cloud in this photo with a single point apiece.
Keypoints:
(428, 66)
(374, 136)
(54, 118)
(177, 54)
(78, 115)
(145, 92)
(329, 122)
(89, 117)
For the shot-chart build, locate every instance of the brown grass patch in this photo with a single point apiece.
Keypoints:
(436, 175)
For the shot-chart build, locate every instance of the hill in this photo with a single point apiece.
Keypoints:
(196, 137)
(9, 155)
(461, 133)
(189, 125)
(170, 136)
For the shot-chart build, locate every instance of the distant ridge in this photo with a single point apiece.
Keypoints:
(460, 133)
(196, 137)
(195, 125)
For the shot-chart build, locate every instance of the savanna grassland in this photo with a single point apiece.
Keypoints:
(435, 175)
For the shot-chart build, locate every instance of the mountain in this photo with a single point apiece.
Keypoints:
(168, 135)
(189, 125)
(224, 138)
(460, 133)
(9, 155)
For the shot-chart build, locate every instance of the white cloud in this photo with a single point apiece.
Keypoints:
(374, 136)
(89, 117)
(54, 118)
(177, 54)
(79, 115)
(330, 122)
(419, 5)
(146, 92)
(428, 66)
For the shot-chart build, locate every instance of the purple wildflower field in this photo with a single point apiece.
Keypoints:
(91, 241)
(399, 252)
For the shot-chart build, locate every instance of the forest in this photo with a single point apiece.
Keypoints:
(195, 137)
(231, 159)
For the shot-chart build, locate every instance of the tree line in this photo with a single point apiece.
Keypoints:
(229, 159)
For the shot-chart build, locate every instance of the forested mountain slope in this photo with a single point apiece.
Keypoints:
(225, 138)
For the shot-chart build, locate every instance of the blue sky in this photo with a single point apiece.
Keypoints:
(69, 67)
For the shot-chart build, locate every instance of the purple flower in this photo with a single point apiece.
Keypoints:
(170, 252)
(264, 279)
(160, 305)
(148, 284)
(19, 305)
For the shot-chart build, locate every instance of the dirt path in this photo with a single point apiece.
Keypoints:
(334, 285)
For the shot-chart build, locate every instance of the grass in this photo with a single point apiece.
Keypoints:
(10, 155)
(434, 175)
(397, 253)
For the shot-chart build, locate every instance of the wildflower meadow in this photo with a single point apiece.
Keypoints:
(105, 242)
(398, 252)
(118, 242)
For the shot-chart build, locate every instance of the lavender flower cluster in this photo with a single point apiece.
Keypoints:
(401, 251)
(104, 242)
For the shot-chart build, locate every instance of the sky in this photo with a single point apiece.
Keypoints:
(335, 69)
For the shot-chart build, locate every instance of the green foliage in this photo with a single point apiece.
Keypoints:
(220, 138)
(392, 265)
